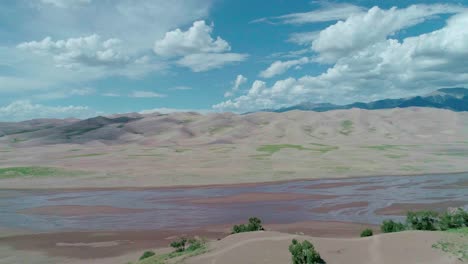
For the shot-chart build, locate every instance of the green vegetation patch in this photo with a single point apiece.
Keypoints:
(304, 253)
(74, 150)
(272, 149)
(390, 226)
(387, 147)
(183, 249)
(223, 149)
(323, 148)
(146, 155)
(17, 172)
(255, 224)
(395, 156)
(367, 232)
(346, 127)
(410, 168)
(181, 150)
(341, 169)
(216, 130)
(18, 140)
(69, 133)
(453, 153)
(454, 247)
(85, 155)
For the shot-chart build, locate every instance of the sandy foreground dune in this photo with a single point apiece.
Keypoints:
(409, 247)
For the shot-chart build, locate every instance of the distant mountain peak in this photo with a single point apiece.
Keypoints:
(455, 99)
(455, 92)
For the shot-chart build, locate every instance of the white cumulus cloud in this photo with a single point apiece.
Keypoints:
(363, 29)
(197, 39)
(384, 68)
(197, 49)
(66, 3)
(328, 12)
(279, 67)
(240, 80)
(24, 110)
(146, 94)
(166, 110)
(72, 52)
(200, 62)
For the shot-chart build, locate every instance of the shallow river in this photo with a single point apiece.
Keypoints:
(363, 200)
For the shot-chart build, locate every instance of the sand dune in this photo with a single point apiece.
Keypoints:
(409, 247)
(193, 149)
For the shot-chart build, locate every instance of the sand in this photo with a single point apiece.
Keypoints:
(78, 210)
(124, 246)
(190, 149)
(409, 247)
(259, 197)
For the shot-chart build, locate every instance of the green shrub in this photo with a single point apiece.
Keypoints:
(390, 226)
(147, 254)
(304, 253)
(255, 224)
(179, 244)
(367, 233)
(423, 220)
(183, 244)
(453, 220)
(194, 244)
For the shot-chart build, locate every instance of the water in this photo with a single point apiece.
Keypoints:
(174, 208)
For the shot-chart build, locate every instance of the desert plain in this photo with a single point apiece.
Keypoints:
(105, 189)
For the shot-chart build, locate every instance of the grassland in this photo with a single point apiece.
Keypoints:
(456, 248)
(16, 172)
(85, 155)
(174, 257)
(346, 127)
(386, 147)
(453, 154)
(81, 131)
(272, 149)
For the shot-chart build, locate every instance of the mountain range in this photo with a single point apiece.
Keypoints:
(455, 99)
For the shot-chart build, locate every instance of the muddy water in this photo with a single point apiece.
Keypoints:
(362, 200)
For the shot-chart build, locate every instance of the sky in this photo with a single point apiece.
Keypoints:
(82, 58)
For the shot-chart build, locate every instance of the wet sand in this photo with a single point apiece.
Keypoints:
(78, 210)
(105, 244)
(402, 209)
(331, 208)
(260, 197)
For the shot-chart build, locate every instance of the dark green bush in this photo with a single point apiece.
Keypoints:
(255, 224)
(194, 244)
(183, 244)
(390, 226)
(423, 220)
(367, 233)
(429, 221)
(179, 244)
(304, 253)
(454, 219)
(147, 254)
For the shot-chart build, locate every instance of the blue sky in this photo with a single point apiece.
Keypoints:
(80, 58)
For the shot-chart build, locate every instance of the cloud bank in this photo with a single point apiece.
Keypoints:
(368, 63)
